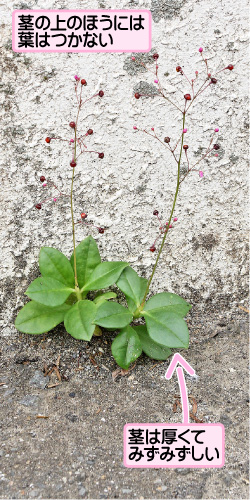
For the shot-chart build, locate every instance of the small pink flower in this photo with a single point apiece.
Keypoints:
(156, 81)
(157, 66)
(54, 199)
(201, 173)
(216, 154)
(71, 140)
(216, 130)
(133, 58)
(152, 128)
(200, 49)
(76, 78)
(175, 219)
(134, 127)
(44, 184)
(197, 72)
(184, 130)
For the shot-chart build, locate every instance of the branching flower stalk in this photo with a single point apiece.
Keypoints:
(73, 164)
(170, 218)
(211, 148)
(76, 141)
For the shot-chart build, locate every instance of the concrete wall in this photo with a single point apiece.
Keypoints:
(205, 259)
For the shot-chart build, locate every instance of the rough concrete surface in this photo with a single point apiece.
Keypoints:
(77, 451)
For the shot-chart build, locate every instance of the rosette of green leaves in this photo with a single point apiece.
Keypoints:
(164, 326)
(53, 295)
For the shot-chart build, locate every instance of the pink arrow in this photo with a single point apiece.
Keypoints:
(177, 358)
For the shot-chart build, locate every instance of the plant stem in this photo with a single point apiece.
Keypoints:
(73, 227)
(170, 218)
(77, 289)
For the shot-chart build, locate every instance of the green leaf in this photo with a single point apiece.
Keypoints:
(87, 258)
(126, 347)
(112, 315)
(36, 318)
(53, 264)
(48, 291)
(101, 297)
(79, 320)
(167, 328)
(171, 300)
(104, 275)
(151, 348)
(132, 286)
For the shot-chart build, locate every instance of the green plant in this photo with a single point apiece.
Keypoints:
(56, 298)
(164, 325)
(61, 293)
(163, 313)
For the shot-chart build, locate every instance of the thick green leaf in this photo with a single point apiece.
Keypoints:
(53, 264)
(79, 320)
(126, 347)
(104, 275)
(166, 328)
(87, 258)
(151, 348)
(171, 300)
(132, 286)
(48, 291)
(101, 297)
(112, 315)
(36, 318)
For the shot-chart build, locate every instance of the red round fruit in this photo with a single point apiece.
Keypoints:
(90, 131)
(152, 249)
(38, 206)
(216, 147)
(167, 139)
(73, 164)
(83, 82)
(187, 97)
(155, 212)
(48, 139)
(230, 67)
(101, 155)
(84, 216)
(178, 69)
(101, 93)
(137, 96)
(42, 178)
(156, 56)
(100, 230)
(185, 147)
(213, 80)
(72, 125)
